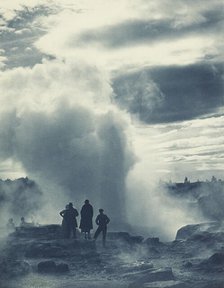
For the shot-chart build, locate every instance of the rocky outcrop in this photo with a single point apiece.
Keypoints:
(190, 230)
(213, 263)
(127, 260)
(52, 231)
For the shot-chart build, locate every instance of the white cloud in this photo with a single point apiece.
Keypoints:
(44, 92)
(66, 27)
(73, 18)
(197, 143)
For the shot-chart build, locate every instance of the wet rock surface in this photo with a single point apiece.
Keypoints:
(151, 276)
(40, 256)
(190, 230)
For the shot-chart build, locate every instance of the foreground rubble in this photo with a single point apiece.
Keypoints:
(39, 257)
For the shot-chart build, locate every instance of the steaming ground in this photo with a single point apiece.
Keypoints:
(38, 256)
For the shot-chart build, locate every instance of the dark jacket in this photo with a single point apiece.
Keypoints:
(70, 216)
(102, 220)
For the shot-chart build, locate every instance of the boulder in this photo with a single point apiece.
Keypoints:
(214, 262)
(216, 259)
(154, 241)
(46, 267)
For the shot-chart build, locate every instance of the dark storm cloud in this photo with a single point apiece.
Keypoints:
(134, 32)
(188, 92)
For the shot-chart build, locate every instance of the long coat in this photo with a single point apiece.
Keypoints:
(86, 222)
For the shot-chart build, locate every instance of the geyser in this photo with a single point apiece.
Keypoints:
(69, 138)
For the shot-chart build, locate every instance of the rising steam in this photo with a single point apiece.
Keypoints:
(59, 123)
(63, 129)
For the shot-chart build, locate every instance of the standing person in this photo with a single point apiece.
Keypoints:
(23, 223)
(70, 219)
(101, 220)
(86, 223)
(64, 223)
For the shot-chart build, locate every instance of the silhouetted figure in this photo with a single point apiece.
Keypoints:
(101, 220)
(64, 223)
(70, 215)
(86, 223)
(10, 225)
(23, 223)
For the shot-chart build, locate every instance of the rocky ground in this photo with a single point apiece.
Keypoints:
(39, 257)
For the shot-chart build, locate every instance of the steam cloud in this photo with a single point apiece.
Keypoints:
(63, 129)
(21, 197)
(59, 123)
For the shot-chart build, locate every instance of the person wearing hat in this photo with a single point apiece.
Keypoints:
(86, 222)
(70, 215)
(101, 220)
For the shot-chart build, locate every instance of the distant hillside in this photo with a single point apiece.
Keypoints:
(208, 195)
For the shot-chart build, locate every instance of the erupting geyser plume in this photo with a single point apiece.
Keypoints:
(59, 123)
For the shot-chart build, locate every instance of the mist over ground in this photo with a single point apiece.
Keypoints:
(19, 198)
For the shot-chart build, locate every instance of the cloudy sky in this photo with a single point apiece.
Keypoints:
(102, 99)
(160, 64)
